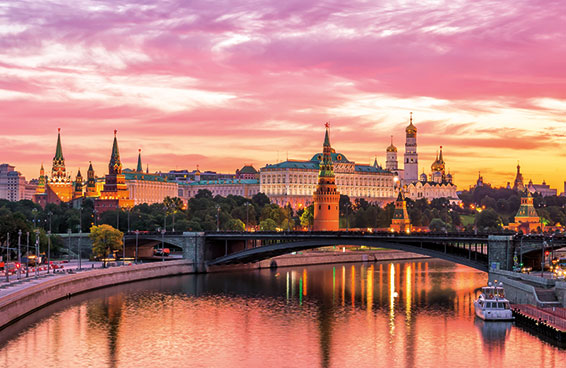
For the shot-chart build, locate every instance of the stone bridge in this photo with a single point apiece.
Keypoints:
(221, 248)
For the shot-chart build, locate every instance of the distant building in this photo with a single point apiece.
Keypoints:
(13, 185)
(222, 187)
(542, 189)
(247, 172)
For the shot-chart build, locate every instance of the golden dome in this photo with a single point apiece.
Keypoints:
(391, 148)
(411, 129)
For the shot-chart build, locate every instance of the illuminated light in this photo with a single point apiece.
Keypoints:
(408, 292)
(369, 292)
(305, 282)
(392, 293)
(353, 285)
(287, 286)
(408, 231)
(300, 291)
(343, 285)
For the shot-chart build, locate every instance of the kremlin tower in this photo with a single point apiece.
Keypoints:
(78, 191)
(326, 197)
(400, 221)
(411, 168)
(115, 193)
(91, 190)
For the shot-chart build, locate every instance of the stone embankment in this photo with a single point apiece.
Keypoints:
(17, 304)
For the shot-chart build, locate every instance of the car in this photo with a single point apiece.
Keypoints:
(161, 252)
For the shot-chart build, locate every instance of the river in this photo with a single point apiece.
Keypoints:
(400, 314)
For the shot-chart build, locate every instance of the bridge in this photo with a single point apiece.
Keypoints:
(223, 248)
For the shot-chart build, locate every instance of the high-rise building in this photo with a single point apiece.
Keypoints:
(13, 185)
(326, 198)
(411, 168)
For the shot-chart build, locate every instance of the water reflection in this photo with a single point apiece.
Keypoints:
(384, 314)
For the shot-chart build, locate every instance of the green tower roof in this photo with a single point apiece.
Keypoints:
(139, 168)
(59, 149)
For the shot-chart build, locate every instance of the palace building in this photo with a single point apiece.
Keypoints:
(326, 198)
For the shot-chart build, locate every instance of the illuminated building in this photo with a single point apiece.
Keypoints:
(527, 219)
(78, 186)
(400, 221)
(542, 189)
(411, 168)
(293, 182)
(148, 188)
(115, 193)
(326, 198)
(58, 188)
(391, 162)
(13, 185)
(92, 190)
(222, 187)
(439, 185)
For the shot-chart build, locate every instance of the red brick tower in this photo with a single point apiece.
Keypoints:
(326, 197)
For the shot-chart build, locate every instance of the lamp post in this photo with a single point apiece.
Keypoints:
(36, 253)
(217, 218)
(19, 254)
(94, 214)
(49, 243)
(162, 245)
(27, 254)
(542, 261)
(69, 244)
(247, 204)
(129, 210)
(7, 257)
(117, 218)
(80, 234)
(137, 235)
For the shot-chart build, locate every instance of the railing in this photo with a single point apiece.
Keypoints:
(551, 318)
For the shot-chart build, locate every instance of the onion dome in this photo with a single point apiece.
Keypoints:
(391, 148)
(438, 164)
(424, 177)
(411, 129)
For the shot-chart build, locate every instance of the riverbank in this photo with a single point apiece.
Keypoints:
(26, 300)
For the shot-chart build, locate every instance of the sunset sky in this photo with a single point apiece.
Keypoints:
(224, 83)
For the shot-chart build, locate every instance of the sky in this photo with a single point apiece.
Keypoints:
(221, 84)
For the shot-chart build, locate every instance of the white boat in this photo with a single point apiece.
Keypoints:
(491, 305)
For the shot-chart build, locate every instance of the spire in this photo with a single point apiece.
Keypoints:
(79, 174)
(115, 166)
(139, 168)
(59, 149)
(326, 137)
(42, 170)
(440, 157)
(147, 168)
(90, 167)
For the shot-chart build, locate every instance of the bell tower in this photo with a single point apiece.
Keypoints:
(411, 156)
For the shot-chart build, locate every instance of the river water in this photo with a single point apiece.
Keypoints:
(400, 314)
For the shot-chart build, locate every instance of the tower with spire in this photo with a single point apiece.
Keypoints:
(115, 193)
(41, 181)
(326, 197)
(78, 188)
(411, 168)
(400, 221)
(139, 168)
(518, 185)
(91, 191)
(58, 172)
(527, 219)
(58, 188)
(391, 163)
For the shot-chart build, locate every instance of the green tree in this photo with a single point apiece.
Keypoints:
(488, 220)
(235, 225)
(307, 218)
(437, 225)
(105, 240)
(268, 225)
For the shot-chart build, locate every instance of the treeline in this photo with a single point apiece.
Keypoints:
(501, 206)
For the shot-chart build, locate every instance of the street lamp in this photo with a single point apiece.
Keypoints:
(217, 218)
(137, 235)
(162, 245)
(27, 254)
(19, 253)
(69, 244)
(7, 257)
(34, 211)
(36, 253)
(247, 204)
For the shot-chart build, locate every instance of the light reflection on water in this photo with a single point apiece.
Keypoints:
(404, 314)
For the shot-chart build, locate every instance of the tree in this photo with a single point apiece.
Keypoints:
(267, 225)
(488, 220)
(105, 240)
(235, 225)
(437, 225)
(307, 218)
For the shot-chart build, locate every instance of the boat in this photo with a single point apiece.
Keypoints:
(491, 304)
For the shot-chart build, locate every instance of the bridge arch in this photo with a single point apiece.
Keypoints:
(474, 259)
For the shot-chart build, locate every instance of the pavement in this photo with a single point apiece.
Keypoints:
(63, 269)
